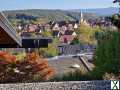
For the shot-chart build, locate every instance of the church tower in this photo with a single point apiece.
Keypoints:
(81, 18)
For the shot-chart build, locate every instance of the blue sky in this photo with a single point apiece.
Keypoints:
(54, 4)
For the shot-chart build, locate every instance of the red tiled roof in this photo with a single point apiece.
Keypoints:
(67, 38)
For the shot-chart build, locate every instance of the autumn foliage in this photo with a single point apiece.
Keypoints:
(7, 57)
(32, 68)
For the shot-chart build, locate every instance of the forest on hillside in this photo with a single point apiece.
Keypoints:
(56, 15)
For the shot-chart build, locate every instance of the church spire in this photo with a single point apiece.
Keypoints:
(81, 17)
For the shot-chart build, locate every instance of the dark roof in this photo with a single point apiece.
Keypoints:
(62, 23)
(55, 33)
(35, 42)
(68, 32)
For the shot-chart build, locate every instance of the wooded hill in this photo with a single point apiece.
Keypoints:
(57, 15)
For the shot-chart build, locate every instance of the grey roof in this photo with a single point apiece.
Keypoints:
(70, 49)
(75, 49)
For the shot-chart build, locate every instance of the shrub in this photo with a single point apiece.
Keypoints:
(75, 76)
(32, 68)
(107, 56)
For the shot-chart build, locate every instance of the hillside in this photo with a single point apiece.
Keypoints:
(99, 11)
(57, 15)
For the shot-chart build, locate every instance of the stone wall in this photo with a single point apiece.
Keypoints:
(75, 85)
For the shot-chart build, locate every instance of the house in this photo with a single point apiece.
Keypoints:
(69, 49)
(55, 26)
(26, 34)
(75, 26)
(70, 26)
(101, 22)
(56, 33)
(63, 28)
(38, 30)
(31, 28)
(69, 32)
(47, 27)
(67, 37)
(65, 49)
(19, 27)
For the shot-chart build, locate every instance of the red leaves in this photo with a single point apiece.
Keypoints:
(7, 57)
(2, 53)
(41, 66)
(27, 68)
(32, 57)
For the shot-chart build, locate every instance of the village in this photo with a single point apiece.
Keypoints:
(66, 32)
(73, 49)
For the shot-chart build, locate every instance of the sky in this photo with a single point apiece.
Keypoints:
(54, 4)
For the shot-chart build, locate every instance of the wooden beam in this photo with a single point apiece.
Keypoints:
(10, 32)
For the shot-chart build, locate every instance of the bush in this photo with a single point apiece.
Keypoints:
(115, 19)
(75, 41)
(77, 76)
(32, 68)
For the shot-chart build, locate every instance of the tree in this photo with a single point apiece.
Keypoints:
(107, 56)
(75, 41)
(51, 50)
(14, 22)
(41, 21)
(115, 19)
(99, 36)
(87, 34)
(46, 33)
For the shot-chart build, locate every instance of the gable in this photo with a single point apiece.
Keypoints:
(74, 34)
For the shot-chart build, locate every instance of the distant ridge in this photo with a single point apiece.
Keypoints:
(48, 14)
(56, 15)
(99, 11)
(59, 15)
